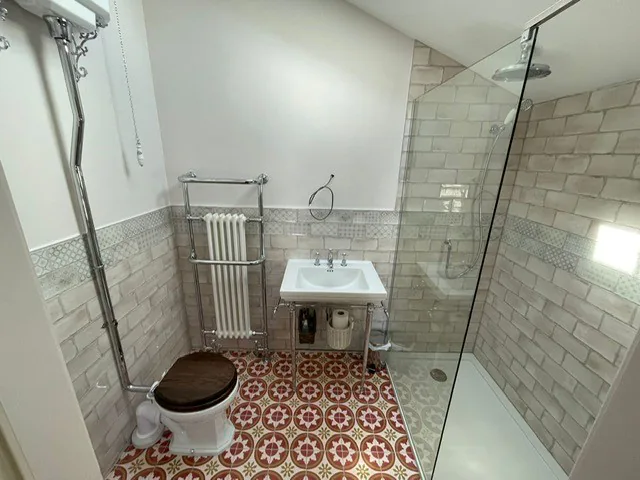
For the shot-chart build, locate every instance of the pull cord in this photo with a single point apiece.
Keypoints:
(125, 65)
(313, 196)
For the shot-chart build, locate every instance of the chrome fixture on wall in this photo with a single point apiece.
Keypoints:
(520, 69)
(313, 197)
(495, 130)
(4, 43)
(189, 178)
(70, 51)
(80, 50)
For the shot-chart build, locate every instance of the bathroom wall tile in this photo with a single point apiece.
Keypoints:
(129, 247)
(612, 97)
(585, 123)
(572, 105)
(629, 142)
(597, 274)
(588, 309)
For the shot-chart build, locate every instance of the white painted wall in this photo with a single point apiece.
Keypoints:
(35, 131)
(295, 89)
(35, 389)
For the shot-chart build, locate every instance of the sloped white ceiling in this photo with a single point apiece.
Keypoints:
(593, 44)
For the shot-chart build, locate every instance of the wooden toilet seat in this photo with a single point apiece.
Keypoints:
(196, 382)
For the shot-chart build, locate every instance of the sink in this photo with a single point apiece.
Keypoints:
(358, 282)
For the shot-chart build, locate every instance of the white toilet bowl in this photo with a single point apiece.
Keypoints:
(191, 401)
(208, 432)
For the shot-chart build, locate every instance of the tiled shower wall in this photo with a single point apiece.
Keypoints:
(289, 233)
(142, 272)
(447, 143)
(563, 302)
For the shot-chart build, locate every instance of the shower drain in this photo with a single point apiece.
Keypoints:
(438, 375)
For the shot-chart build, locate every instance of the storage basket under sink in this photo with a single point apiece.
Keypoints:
(339, 339)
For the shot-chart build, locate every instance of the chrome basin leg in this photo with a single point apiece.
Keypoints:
(367, 335)
(292, 321)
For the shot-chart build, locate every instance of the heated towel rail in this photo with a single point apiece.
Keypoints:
(190, 178)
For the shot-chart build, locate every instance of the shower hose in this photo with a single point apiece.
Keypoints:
(477, 200)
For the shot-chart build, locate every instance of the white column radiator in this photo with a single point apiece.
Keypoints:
(227, 242)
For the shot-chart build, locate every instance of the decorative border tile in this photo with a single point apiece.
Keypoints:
(599, 274)
(290, 221)
(551, 236)
(449, 219)
(560, 258)
(64, 265)
(569, 252)
(629, 288)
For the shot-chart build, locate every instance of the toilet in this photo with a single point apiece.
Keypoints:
(191, 401)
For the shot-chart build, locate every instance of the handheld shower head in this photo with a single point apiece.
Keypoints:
(498, 128)
(511, 116)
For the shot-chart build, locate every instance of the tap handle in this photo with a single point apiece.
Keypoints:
(317, 262)
(344, 259)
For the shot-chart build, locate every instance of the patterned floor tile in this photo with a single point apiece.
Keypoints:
(424, 404)
(326, 428)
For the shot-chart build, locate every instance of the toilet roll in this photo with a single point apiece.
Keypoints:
(340, 319)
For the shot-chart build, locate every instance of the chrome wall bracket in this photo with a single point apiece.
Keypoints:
(4, 43)
(80, 50)
(62, 29)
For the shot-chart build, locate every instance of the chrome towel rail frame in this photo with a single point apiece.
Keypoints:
(190, 178)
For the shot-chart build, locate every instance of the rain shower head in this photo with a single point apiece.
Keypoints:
(518, 71)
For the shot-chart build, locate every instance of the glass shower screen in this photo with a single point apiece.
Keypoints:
(462, 133)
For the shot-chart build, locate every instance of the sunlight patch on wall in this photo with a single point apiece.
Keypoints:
(617, 248)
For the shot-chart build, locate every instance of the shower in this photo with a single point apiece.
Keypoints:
(518, 71)
(495, 130)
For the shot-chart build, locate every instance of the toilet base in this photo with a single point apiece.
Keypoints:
(205, 433)
(183, 445)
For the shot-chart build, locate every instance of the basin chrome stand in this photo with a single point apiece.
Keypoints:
(293, 306)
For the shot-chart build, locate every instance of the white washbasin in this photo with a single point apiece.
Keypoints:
(358, 282)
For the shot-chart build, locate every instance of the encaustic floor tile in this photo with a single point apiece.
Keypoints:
(325, 428)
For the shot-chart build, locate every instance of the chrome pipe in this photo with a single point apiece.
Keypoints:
(263, 256)
(192, 178)
(245, 263)
(194, 260)
(60, 30)
(192, 218)
(253, 332)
